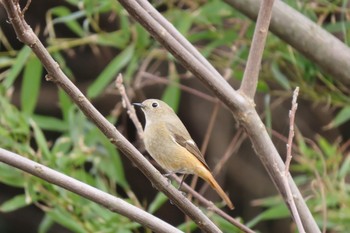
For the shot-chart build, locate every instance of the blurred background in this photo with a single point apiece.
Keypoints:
(93, 41)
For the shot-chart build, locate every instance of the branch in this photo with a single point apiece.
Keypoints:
(55, 74)
(211, 206)
(251, 72)
(315, 43)
(109, 201)
(176, 35)
(242, 107)
(128, 106)
(286, 173)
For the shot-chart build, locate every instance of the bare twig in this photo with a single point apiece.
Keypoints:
(286, 173)
(241, 106)
(109, 201)
(291, 129)
(26, 7)
(251, 72)
(182, 87)
(26, 35)
(126, 104)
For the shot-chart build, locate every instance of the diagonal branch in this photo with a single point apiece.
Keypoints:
(109, 201)
(176, 35)
(251, 72)
(55, 74)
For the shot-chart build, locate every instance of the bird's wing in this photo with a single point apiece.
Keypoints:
(187, 143)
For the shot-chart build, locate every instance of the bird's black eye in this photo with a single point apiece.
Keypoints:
(155, 104)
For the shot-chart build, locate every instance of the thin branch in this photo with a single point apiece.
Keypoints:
(27, 36)
(251, 72)
(286, 173)
(207, 137)
(205, 202)
(127, 105)
(181, 86)
(109, 201)
(291, 129)
(241, 107)
(231, 149)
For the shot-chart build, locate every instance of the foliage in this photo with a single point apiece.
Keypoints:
(82, 152)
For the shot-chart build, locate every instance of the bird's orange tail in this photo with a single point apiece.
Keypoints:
(208, 177)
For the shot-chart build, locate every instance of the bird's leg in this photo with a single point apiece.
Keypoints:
(182, 180)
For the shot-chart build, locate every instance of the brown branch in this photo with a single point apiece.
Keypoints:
(181, 86)
(286, 173)
(241, 106)
(205, 202)
(176, 35)
(315, 43)
(251, 72)
(128, 106)
(109, 201)
(27, 36)
(291, 129)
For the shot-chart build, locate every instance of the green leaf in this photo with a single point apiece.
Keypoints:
(342, 117)
(14, 203)
(65, 104)
(172, 93)
(11, 176)
(345, 168)
(143, 39)
(118, 39)
(40, 139)
(131, 69)
(110, 72)
(65, 219)
(110, 162)
(276, 212)
(45, 224)
(280, 77)
(18, 65)
(225, 225)
(31, 85)
(183, 21)
(59, 58)
(68, 18)
(50, 123)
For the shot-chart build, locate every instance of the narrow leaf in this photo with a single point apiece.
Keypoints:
(31, 85)
(342, 117)
(50, 123)
(14, 203)
(18, 65)
(110, 72)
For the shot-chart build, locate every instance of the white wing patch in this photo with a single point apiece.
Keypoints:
(191, 142)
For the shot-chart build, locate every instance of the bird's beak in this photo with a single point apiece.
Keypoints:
(139, 105)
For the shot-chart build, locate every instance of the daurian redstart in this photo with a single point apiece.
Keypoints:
(169, 143)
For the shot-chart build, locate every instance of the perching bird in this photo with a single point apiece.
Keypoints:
(171, 146)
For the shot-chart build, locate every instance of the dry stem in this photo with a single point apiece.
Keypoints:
(286, 173)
